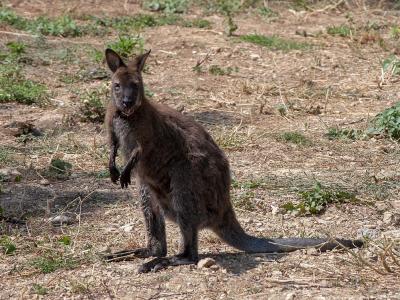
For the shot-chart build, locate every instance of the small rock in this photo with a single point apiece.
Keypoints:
(274, 209)
(395, 205)
(368, 233)
(206, 263)
(254, 56)
(9, 174)
(127, 227)
(312, 251)
(276, 273)
(44, 182)
(391, 218)
(381, 206)
(64, 219)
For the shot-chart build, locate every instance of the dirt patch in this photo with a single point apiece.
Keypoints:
(247, 96)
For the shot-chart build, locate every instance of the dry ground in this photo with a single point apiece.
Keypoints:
(334, 83)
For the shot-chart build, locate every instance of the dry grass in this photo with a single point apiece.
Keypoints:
(337, 83)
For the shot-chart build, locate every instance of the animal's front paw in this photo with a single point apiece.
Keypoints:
(125, 178)
(114, 174)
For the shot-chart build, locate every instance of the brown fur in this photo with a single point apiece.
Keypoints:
(183, 172)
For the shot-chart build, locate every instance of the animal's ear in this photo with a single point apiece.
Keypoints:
(141, 60)
(114, 61)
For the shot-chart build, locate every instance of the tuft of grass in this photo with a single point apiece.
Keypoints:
(39, 289)
(6, 244)
(387, 123)
(341, 30)
(63, 26)
(198, 23)
(59, 169)
(217, 70)
(391, 65)
(94, 105)
(317, 199)
(274, 42)
(335, 133)
(395, 32)
(167, 6)
(295, 138)
(16, 48)
(267, 12)
(65, 240)
(49, 264)
(14, 87)
(128, 45)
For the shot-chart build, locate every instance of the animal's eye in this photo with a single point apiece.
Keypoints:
(117, 87)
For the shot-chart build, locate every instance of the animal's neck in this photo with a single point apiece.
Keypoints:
(144, 123)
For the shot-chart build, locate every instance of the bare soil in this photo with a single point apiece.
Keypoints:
(336, 83)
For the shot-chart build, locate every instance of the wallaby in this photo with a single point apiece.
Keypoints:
(182, 173)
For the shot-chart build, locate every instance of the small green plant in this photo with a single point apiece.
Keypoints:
(274, 42)
(16, 48)
(167, 6)
(335, 133)
(65, 240)
(395, 32)
(49, 264)
(14, 87)
(198, 23)
(387, 123)
(342, 30)
(295, 138)
(391, 65)
(6, 244)
(128, 45)
(93, 107)
(62, 26)
(60, 167)
(317, 199)
(217, 70)
(39, 289)
(267, 12)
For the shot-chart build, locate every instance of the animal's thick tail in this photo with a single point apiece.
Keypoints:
(233, 234)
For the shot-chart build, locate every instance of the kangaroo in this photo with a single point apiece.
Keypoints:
(182, 174)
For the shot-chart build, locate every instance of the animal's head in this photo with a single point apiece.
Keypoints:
(127, 85)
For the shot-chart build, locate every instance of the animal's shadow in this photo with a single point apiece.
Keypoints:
(239, 262)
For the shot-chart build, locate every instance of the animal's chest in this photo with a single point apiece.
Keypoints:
(126, 138)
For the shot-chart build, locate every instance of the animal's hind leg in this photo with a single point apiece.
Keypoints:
(155, 229)
(183, 205)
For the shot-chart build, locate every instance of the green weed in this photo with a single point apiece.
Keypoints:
(387, 123)
(49, 264)
(39, 289)
(7, 245)
(16, 48)
(391, 65)
(274, 42)
(267, 12)
(65, 240)
(167, 6)
(59, 169)
(342, 30)
(13, 87)
(199, 23)
(335, 133)
(128, 45)
(93, 105)
(295, 138)
(317, 199)
(62, 26)
(217, 70)
(395, 32)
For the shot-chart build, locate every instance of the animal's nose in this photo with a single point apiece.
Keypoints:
(127, 102)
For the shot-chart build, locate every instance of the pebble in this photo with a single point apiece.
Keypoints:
(370, 233)
(391, 218)
(9, 174)
(64, 219)
(254, 56)
(206, 263)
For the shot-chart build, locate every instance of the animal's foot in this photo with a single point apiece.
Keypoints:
(160, 263)
(128, 254)
(114, 174)
(125, 178)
